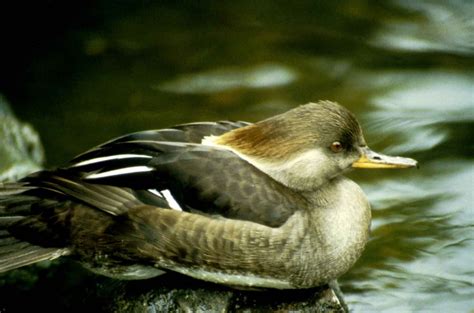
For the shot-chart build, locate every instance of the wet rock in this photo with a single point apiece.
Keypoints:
(21, 151)
(177, 293)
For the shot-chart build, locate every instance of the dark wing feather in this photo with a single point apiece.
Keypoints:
(50, 210)
(68, 186)
(185, 133)
(43, 216)
(202, 179)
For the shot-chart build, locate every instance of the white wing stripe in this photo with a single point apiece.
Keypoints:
(171, 201)
(121, 171)
(112, 157)
(155, 192)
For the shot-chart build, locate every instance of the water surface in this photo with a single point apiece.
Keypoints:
(405, 69)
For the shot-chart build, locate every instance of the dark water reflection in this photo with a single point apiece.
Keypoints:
(404, 67)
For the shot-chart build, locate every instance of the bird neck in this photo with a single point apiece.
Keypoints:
(335, 230)
(341, 212)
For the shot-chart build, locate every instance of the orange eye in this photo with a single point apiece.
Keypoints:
(336, 147)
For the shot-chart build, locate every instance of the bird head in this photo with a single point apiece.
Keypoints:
(307, 146)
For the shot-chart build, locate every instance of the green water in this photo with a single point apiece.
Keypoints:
(404, 67)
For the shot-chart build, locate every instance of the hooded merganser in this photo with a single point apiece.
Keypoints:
(240, 204)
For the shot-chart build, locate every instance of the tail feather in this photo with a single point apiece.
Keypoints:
(6, 221)
(11, 245)
(13, 201)
(15, 205)
(8, 243)
(10, 189)
(21, 254)
(35, 214)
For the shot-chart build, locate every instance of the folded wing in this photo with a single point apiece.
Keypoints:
(171, 164)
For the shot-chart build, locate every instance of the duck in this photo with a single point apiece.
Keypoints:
(259, 205)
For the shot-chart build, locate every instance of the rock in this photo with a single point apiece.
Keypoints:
(177, 293)
(21, 151)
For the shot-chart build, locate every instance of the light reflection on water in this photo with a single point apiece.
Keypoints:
(407, 74)
(433, 29)
(261, 76)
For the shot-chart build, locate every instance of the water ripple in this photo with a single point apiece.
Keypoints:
(431, 29)
(224, 79)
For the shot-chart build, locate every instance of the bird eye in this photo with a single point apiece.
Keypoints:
(336, 147)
